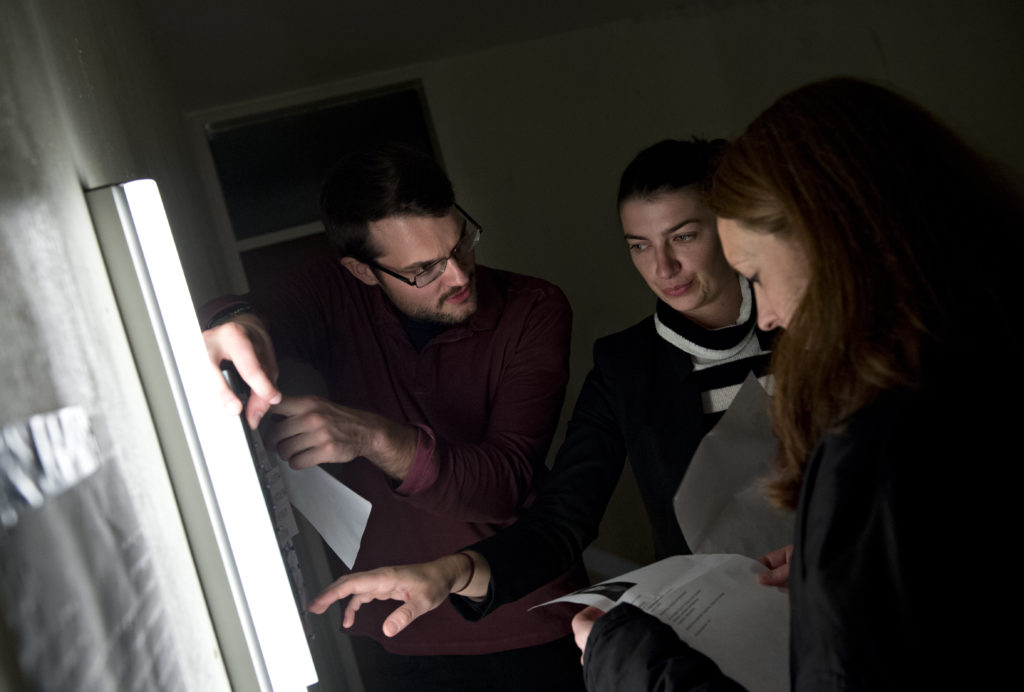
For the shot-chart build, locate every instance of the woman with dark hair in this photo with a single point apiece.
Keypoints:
(884, 246)
(655, 390)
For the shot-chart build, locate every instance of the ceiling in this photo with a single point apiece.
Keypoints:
(225, 51)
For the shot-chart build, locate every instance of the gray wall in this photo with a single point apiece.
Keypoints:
(535, 134)
(83, 105)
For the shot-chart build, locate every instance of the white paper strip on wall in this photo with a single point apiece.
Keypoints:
(337, 513)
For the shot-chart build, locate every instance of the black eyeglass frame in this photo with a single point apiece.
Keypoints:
(443, 262)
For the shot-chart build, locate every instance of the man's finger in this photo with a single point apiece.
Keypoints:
(232, 342)
(301, 453)
(402, 617)
(256, 409)
(251, 370)
(336, 591)
(294, 405)
(288, 438)
(364, 586)
(294, 423)
(306, 459)
(349, 617)
(231, 403)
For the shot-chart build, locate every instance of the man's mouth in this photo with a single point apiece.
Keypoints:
(459, 296)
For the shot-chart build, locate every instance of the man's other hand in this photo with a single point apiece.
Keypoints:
(315, 431)
(244, 341)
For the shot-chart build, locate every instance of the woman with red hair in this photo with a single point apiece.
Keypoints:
(886, 248)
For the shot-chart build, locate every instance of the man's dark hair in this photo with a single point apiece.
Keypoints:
(377, 182)
(670, 165)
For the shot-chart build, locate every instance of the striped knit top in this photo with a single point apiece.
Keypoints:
(721, 357)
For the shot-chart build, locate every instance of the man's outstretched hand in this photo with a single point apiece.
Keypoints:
(421, 588)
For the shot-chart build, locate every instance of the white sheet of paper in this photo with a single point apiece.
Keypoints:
(715, 604)
(337, 513)
(720, 505)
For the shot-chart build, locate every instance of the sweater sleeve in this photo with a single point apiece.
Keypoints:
(293, 312)
(631, 650)
(551, 535)
(514, 374)
(489, 481)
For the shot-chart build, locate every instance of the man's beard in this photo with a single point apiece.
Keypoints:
(438, 314)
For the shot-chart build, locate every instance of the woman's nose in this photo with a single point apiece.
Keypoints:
(667, 266)
(767, 318)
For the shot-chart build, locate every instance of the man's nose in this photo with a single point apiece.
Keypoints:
(457, 270)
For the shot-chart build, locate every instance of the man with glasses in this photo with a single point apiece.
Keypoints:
(445, 380)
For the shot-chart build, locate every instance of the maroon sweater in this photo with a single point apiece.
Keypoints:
(485, 396)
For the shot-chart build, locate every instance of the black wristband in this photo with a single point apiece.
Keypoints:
(227, 313)
(472, 572)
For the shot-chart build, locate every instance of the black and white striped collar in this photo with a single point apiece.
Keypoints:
(708, 344)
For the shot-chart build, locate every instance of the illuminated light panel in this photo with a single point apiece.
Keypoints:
(264, 581)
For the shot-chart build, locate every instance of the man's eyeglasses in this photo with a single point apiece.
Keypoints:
(430, 272)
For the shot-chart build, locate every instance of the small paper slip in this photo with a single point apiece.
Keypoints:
(716, 605)
(337, 513)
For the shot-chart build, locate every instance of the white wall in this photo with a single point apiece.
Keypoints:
(84, 104)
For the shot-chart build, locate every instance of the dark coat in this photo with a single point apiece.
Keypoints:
(640, 401)
(894, 527)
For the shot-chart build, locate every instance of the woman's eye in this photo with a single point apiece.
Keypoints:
(637, 247)
(685, 237)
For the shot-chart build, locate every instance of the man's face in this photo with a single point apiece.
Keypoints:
(407, 245)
